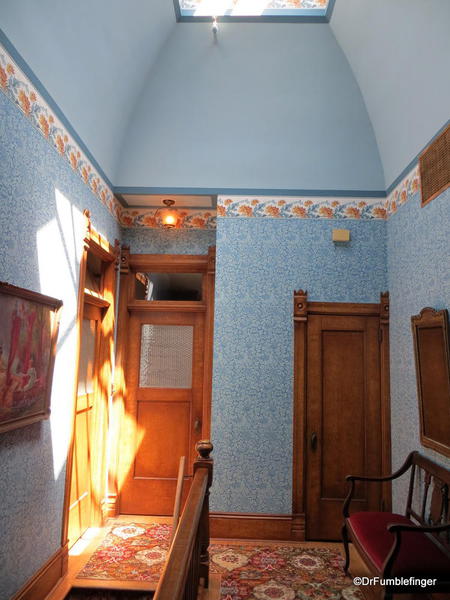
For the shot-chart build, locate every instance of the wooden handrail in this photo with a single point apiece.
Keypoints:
(187, 560)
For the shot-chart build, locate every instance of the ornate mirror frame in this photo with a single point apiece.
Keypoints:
(432, 355)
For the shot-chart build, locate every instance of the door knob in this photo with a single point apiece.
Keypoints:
(314, 441)
(197, 425)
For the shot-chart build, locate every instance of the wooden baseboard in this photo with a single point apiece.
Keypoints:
(298, 527)
(44, 580)
(246, 526)
(109, 506)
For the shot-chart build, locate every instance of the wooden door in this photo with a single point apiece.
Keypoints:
(163, 408)
(80, 505)
(343, 418)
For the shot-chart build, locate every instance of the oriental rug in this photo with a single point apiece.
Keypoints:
(136, 552)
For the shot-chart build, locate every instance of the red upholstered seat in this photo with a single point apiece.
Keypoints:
(418, 554)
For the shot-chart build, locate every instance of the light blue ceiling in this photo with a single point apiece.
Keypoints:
(158, 103)
(93, 57)
(265, 106)
(399, 51)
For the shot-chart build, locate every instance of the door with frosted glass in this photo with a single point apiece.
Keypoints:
(163, 414)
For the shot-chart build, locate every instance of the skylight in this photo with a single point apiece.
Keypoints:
(259, 9)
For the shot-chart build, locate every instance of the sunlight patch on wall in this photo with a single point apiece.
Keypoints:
(59, 249)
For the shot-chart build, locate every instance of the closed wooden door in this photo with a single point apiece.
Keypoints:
(343, 418)
(164, 374)
(80, 506)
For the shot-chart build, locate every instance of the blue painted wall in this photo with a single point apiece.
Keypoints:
(269, 106)
(259, 264)
(162, 241)
(399, 52)
(419, 275)
(41, 233)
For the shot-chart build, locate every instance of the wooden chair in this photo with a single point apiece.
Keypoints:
(414, 545)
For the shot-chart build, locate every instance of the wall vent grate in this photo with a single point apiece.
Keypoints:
(434, 165)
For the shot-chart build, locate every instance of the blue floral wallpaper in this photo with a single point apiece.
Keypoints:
(41, 229)
(259, 264)
(169, 241)
(418, 242)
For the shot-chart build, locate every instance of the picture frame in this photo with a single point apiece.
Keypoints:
(432, 357)
(29, 323)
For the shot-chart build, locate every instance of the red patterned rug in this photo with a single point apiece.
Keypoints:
(136, 552)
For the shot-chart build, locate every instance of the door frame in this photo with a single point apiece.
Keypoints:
(97, 245)
(130, 264)
(302, 309)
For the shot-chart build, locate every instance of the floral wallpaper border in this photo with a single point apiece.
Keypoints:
(189, 219)
(18, 88)
(303, 208)
(404, 191)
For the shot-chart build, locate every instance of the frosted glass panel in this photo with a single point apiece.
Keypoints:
(166, 356)
(87, 357)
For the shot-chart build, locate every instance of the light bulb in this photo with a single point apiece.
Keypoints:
(169, 220)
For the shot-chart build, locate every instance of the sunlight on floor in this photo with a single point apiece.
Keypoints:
(84, 541)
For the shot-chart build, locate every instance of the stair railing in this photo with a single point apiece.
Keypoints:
(188, 559)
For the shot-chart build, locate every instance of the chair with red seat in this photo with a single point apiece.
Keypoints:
(414, 545)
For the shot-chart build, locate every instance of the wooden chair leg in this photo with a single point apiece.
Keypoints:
(344, 534)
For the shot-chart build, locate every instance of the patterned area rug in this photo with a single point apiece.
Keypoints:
(251, 572)
(130, 552)
(136, 552)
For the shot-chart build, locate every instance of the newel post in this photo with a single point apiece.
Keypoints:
(204, 461)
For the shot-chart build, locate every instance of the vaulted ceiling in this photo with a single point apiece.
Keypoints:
(345, 105)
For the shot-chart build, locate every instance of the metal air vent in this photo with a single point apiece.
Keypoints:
(434, 165)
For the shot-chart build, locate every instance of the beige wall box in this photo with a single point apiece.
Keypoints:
(341, 235)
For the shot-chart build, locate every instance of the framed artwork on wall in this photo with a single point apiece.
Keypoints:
(432, 355)
(28, 332)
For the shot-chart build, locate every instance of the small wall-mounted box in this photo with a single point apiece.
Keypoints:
(341, 235)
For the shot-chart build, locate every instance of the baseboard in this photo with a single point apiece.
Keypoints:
(109, 506)
(44, 580)
(247, 526)
(298, 527)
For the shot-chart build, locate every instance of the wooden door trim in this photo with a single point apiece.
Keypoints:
(167, 306)
(96, 244)
(129, 265)
(302, 310)
(169, 263)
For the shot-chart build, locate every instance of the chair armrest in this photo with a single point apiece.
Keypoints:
(397, 529)
(352, 478)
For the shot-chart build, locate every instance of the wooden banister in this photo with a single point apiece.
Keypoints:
(187, 560)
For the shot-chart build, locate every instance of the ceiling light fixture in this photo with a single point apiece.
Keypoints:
(167, 217)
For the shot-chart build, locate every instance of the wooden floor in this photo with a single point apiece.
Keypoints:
(85, 547)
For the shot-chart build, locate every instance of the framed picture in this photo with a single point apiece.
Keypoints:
(28, 331)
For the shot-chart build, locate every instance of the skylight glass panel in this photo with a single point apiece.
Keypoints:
(253, 8)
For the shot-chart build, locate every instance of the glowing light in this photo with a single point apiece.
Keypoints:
(169, 220)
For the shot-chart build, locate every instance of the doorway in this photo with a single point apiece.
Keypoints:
(341, 410)
(86, 464)
(164, 388)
